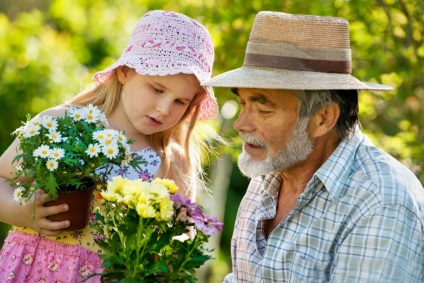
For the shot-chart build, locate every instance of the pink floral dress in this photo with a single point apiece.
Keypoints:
(72, 256)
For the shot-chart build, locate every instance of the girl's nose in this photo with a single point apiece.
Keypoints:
(163, 107)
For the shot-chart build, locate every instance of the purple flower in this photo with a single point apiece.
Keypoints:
(206, 224)
(181, 201)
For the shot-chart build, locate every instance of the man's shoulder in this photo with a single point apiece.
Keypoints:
(382, 168)
(391, 181)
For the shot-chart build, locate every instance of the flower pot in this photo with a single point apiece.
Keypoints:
(79, 203)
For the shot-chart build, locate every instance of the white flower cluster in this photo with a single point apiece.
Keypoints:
(107, 139)
(58, 152)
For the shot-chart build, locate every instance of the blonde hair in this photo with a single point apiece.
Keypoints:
(178, 146)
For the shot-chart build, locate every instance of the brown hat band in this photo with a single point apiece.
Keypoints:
(290, 57)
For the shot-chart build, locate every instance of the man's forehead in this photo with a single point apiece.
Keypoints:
(266, 96)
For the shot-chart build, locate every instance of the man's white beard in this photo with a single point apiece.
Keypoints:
(297, 149)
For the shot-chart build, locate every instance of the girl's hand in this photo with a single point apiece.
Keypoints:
(38, 214)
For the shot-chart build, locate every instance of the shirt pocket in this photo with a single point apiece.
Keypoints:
(309, 269)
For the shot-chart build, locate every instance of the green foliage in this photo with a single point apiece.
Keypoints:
(141, 230)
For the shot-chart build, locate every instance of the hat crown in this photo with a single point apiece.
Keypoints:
(302, 30)
(167, 43)
(164, 40)
(300, 43)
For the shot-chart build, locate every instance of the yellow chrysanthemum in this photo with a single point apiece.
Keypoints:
(115, 188)
(145, 210)
(158, 191)
(166, 210)
(169, 184)
(143, 198)
(131, 192)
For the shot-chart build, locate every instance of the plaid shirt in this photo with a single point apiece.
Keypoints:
(360, 219)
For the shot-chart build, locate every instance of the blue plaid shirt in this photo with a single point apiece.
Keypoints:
(360, 219)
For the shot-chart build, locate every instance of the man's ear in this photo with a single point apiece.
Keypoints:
(123, 73)
(325, 120)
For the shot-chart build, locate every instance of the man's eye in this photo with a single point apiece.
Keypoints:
(264, 111)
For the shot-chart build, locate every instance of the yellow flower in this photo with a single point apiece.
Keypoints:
(131, 192)
(169, 184)
(115, 189)
(158, 191)
(145, 210)
(142, 198)
(166, 210)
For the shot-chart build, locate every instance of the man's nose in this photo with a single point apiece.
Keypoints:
(244, 122)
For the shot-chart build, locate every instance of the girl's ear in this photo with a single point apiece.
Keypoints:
(325, 120)
(123, 73)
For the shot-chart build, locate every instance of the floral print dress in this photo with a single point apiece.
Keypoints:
(72, 256)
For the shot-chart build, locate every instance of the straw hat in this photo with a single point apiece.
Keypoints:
(296, 52)
(168, 43)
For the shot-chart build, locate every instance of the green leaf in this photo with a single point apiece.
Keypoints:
(159, 266)
(196, 261)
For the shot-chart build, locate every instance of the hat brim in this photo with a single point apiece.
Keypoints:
(269, 78)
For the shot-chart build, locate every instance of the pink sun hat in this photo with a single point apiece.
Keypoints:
(168, 43)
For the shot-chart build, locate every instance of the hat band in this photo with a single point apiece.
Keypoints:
(299, 58)
(297, 64)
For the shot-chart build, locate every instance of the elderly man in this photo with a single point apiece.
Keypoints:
(324, 204)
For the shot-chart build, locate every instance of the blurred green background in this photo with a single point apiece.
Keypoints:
(50, 49)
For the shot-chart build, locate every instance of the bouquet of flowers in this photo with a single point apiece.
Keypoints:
(150, 233)
(57, 153)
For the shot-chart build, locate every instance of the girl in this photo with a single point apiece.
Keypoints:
(153, 93)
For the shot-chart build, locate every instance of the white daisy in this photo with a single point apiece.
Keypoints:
(111, 133)
(24, 201)
(42, 151)
(49, 123)
(111, 151)
(100, 136)
(91, 109)
(52, 164)
(36, 121)
(31, 130)
(17, 194)
(92, 114)
(77, 113)
(121, 137)
(109, 142)
(57, 153)
(55, 136)
(93, 150)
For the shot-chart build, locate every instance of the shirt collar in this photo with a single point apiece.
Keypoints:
(336, 169)
(272, 183)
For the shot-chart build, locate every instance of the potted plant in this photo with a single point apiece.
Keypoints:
(73, 153)
(144, 232)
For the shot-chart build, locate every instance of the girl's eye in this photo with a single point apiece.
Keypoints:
(157, 90)
(178, 101)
